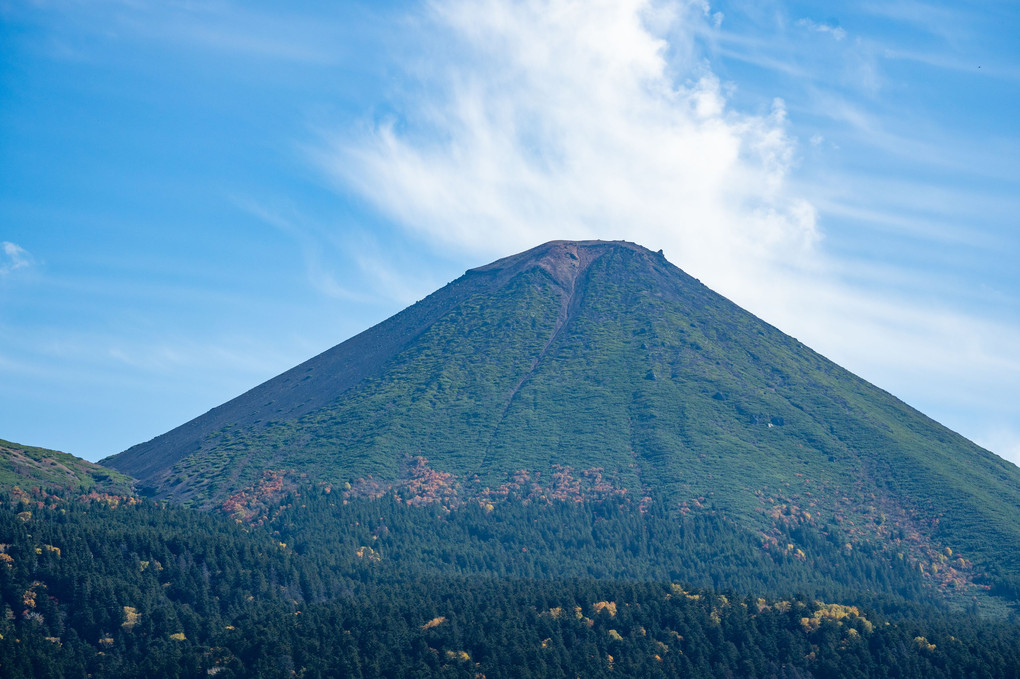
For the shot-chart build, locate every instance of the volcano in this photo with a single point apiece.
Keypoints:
(598, 368)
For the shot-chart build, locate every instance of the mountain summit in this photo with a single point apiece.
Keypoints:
(595, 368)
(501, 320)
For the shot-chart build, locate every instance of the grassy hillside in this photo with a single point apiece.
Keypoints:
(28, 467)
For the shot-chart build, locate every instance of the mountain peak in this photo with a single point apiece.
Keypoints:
(596, 365)
(563, 260)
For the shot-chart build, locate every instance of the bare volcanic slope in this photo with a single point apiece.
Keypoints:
(598, 368)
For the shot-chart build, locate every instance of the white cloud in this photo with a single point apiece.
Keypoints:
(836, 32)
(566, 119)
(13, 257)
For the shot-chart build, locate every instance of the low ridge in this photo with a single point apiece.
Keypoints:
(50, 470)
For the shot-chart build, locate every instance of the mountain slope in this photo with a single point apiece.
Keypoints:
(597, 367)
(29, 467)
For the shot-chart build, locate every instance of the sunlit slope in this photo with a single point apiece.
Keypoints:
(32, 467)
(602, 355)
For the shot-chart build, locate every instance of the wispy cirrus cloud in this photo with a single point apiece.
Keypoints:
(583, 120)
(13, 257)
(352, 266)
(836, 32)
(949, 23)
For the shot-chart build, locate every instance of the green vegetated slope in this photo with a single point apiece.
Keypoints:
(100, 585)
(602, 365)
(39, 467)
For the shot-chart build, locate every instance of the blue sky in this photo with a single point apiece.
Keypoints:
(195, 196)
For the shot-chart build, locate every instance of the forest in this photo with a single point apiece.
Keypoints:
(106, 585)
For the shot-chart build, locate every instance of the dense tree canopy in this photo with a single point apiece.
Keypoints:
(117, 587)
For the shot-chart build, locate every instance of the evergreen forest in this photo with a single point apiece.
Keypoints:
(115, 586)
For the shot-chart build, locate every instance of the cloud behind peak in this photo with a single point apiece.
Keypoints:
(554, 118)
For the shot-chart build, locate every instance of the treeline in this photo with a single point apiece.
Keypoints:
(115, 588)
